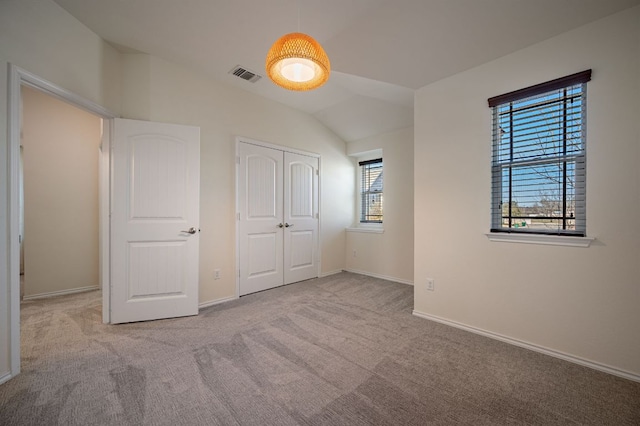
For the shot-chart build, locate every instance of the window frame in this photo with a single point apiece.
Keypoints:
(363, 211)
(576, 159)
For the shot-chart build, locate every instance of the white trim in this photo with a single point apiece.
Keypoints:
(61, 292)
(382, 277)
(16, 77)
(366, 230)
(13, 266)
(533, 347)
(39, 83)
(104, 220)
(328, 274)
(552, 240)
(236, 216)
(319, 213)
(274, 146)
(216, 302)
(5, 378)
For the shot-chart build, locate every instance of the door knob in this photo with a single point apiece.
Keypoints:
(191, 230)
(288, 225)
(279, 225)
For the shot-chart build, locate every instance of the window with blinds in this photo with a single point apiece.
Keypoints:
(371, 191)
(538, 162)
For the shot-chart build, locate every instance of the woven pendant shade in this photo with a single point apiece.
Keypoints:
(297, 62)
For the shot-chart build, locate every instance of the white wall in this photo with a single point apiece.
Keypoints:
(42, 38)
(171, 93)
(61, 194)
(390, 254)
(580, 301)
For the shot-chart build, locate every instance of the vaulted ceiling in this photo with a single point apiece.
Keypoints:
(380, 50)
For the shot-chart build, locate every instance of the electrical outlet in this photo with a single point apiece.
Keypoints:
(431, 286)
(216, 274)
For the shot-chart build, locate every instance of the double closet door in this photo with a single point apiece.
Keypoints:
(278, 217)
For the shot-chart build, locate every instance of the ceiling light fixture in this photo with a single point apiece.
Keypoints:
(296, 61)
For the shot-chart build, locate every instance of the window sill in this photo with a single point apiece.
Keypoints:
(364, 230)
(553, 240)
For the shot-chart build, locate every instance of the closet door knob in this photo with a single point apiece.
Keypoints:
(280, 225)
(288, 225)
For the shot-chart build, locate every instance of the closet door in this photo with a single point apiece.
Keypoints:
(300, 217)
(261, 228)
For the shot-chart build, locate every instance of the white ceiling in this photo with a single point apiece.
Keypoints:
(380, 50)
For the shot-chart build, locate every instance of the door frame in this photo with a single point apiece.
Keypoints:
(18, 77)
(242, 139)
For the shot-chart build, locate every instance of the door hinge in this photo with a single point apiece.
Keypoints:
(237, 159)
(238, 216)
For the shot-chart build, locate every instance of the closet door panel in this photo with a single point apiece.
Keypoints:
(260, 203)
(301, 217)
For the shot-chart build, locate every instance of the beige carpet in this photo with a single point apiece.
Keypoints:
(338, 350)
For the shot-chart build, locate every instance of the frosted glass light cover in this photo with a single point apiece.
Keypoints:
(297, 69)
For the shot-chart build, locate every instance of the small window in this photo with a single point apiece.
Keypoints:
(371, 191)
(538, 163)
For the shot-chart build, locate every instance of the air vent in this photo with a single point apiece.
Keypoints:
(245, 74)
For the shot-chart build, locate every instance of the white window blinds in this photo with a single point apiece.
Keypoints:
(371, 191)
(538, 162)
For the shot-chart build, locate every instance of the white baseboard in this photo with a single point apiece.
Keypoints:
(5, 378)
(536, 348)
(61, 292)
(327, 274)
(382, 277)
(216, 302)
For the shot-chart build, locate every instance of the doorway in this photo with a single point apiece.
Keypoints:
(111, 173)
(17, 78)
(59, 197)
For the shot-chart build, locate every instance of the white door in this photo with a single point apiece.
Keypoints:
(300, 217)
(278, 217)
(154, 221)
(261, 226)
